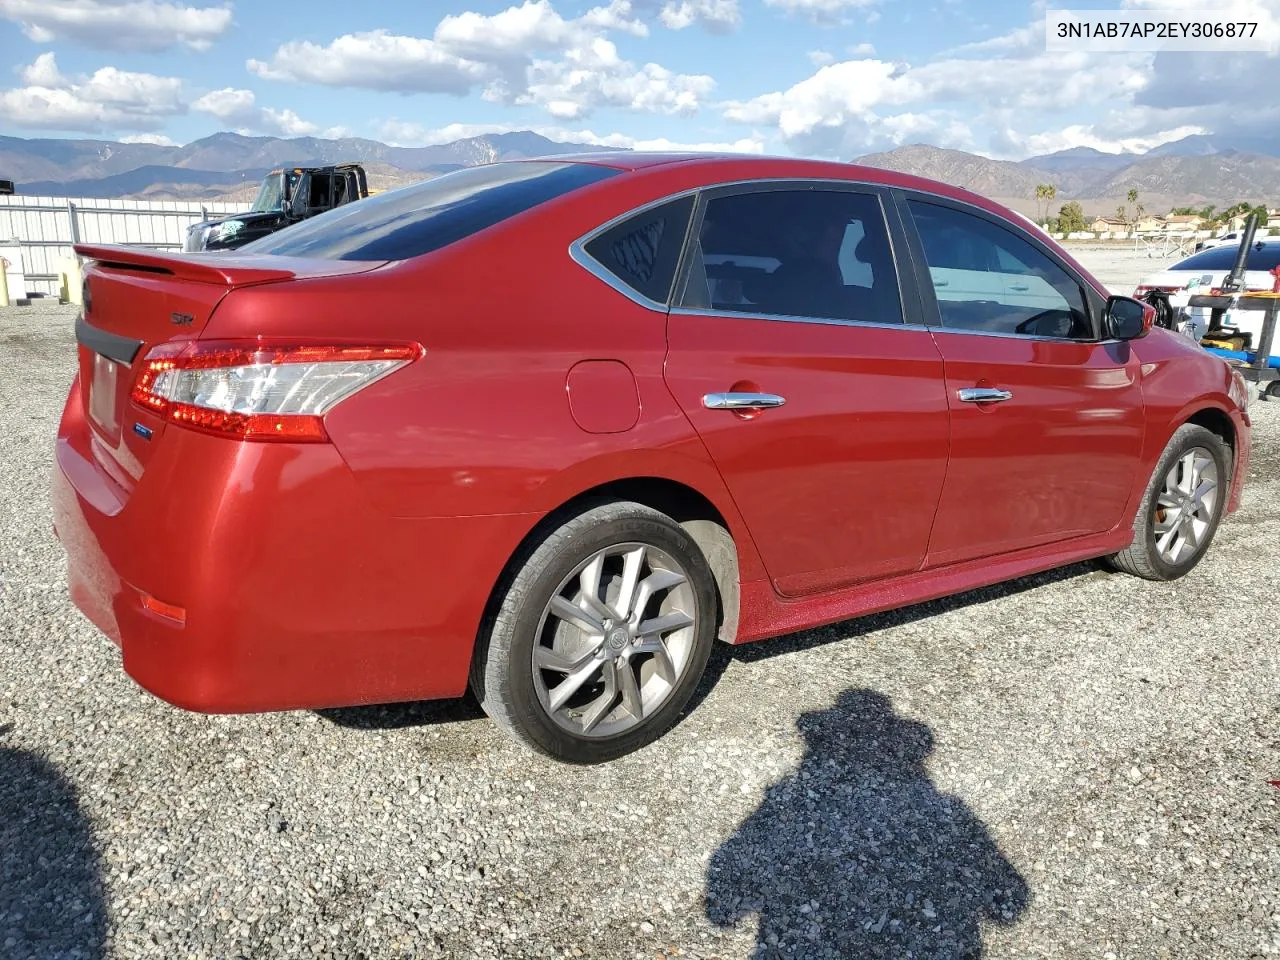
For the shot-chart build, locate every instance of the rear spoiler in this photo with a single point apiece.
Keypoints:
(229, 271)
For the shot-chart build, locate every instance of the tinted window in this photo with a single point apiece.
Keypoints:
(1224, 258)
(801, 253)
(644, 251)
(986, 277)
(423, 217)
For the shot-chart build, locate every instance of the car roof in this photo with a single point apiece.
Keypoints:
(750, 166)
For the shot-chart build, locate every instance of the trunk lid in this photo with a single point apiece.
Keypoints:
(136, 299)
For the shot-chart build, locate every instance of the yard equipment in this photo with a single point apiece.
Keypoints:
(1228, 342)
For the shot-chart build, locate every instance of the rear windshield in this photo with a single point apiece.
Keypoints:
(417, 219)
(1224, 258)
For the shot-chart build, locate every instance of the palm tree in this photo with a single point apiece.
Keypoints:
(1045, 193)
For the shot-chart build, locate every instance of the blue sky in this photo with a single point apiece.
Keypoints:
(832, 78)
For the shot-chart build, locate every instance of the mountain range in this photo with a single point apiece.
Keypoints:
(1194, 171)
(227, 165)
(1189, 172)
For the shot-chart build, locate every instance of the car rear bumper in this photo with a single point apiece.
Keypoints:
(296, 592)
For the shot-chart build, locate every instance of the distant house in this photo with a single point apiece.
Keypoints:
(1182, 223)
(1149, 225)
(1108, 225)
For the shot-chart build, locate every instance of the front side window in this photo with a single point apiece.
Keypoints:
(426, 216)
(823, 254)
(644, 250)
(987, 278)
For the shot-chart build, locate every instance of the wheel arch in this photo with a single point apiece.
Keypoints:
(689, 507)
(1216, 421)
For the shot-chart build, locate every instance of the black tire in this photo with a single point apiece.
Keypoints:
(1142, 558)
(1273, 390)
(502, 670)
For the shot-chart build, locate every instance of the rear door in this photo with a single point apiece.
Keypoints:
(1046, 419)
(790, 352)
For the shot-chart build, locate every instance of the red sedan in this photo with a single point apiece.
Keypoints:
(549, 428)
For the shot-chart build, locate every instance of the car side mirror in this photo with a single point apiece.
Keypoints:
(1127, 319)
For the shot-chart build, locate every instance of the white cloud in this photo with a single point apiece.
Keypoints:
(157, 139)
(862, 50)
(857, 105)
(595, 75)
(233, 107)
(376, 60)
(401, 133)
(1080, 135)
(43, 72)
(239, 109)
(718, 16)
(527, 55)
(820, 58)
(109, 99)
(823, 11)
(137, 25)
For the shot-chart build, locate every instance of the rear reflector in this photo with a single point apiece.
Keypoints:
(260, 389)
(167, 610)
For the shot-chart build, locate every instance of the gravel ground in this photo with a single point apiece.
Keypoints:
(1073, 765)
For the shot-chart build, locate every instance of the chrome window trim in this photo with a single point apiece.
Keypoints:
(578, 250)
(787, 318)
(1021, 336)
(600, 272)
(1045, 243)
(579, 255)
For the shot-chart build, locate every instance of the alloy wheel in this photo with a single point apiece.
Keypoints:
(614, 640)
(1186, 506)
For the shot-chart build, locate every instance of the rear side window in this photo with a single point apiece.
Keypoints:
(644, 251)
(821, 254)
(417, 219)
(1224, 258)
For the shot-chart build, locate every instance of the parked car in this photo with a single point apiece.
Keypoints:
(284, 197)
(549, 428)
(1231, 239)
(1203, 271)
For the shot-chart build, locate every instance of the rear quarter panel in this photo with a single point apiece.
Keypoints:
(482, 425)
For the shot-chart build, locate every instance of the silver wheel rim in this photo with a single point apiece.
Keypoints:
(615, 640)
(1186, 506)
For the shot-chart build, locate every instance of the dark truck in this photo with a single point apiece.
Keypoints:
(285, 196)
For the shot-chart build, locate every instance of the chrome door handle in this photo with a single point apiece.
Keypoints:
(983, 395)
(742, 401)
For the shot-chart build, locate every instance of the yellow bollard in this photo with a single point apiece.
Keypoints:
(4, 283)
(72, 282)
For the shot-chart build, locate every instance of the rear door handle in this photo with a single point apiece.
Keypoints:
(1020, 287)
(742, 401)
(983, 395)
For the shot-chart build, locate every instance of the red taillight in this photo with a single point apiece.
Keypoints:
(260, 389)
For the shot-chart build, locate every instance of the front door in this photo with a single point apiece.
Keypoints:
(823, 410)
(1046, 419)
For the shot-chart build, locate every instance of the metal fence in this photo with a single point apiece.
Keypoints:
(46, 227)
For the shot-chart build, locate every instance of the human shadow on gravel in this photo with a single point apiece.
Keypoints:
(51, 894)
(858, 854)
